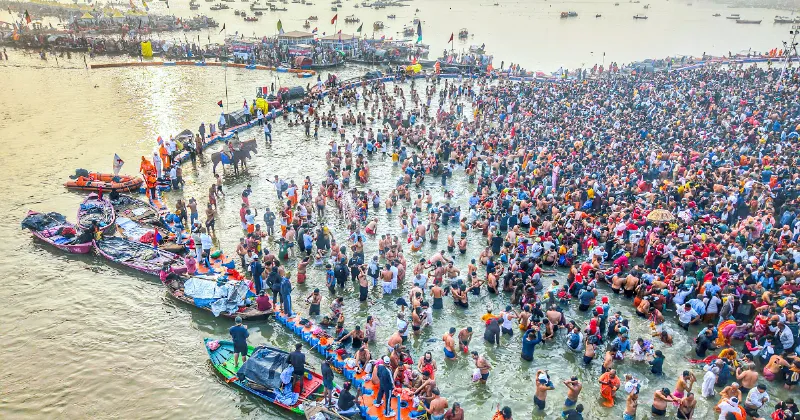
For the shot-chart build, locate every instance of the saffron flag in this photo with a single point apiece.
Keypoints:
(280, 27)
(27, 17)
(360, 27)
(419, 31)
(118, 162)
(451, 37)
(335, 17)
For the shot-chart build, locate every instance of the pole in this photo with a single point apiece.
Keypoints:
(225, 72)
(788, 51)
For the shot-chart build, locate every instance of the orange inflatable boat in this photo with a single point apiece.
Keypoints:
(93, 181)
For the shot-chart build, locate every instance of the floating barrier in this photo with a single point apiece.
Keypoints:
(201, 64)
(401, 402)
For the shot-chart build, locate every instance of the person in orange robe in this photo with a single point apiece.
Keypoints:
(609, 383)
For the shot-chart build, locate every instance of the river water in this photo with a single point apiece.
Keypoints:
(92, 340)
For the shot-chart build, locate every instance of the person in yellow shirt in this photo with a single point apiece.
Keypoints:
(487, 316)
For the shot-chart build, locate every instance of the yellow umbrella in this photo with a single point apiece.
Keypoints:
(660, 215)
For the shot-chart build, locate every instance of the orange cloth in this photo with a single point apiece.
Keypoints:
(608, 387)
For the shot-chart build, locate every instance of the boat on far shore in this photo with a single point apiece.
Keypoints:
(640, 17)
(786, 19)
(749, 21)
(734, 16)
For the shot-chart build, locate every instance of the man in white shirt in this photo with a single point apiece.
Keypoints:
(206, 242)
(686, 315)
(402, 326)
(756, 398)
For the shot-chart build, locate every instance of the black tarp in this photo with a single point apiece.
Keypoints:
(264, 367)
(238, 117)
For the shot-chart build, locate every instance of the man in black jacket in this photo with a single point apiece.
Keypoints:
(298, 361)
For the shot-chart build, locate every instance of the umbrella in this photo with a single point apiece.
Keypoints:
(660, 215)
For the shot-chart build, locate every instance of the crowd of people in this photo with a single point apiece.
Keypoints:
(675, 190)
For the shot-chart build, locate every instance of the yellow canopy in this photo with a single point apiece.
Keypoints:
(87, 15)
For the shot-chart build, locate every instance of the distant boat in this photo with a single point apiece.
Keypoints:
(463, 33)
(750, 22)
(716, 15)
(616, 4)
(598, 15)
(734, 16)
(391, 17)
(640, 17)
(646, 6)
(786, 19)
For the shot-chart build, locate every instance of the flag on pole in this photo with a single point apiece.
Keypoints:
(314, 31)
(27, 17)
(335, 17)
(118, 162)
(223, 28)
(340, 35)
(451, 37)
(360, 27)
(220, 104)
(419, 31)
(383, 37)
(280, 27)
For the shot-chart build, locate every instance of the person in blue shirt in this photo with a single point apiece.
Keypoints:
(623, 344)
(586, 297)
(656, 365)
(330, 278)
(529, 343)
(239, 336)
(286, 296)
(327, 381)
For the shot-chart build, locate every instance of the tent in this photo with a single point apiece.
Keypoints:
(302, 62)
(237, 117)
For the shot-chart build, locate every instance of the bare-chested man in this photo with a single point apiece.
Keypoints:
(449, 344)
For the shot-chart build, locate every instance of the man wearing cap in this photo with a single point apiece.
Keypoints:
(386, 384)
(298, 361)
(239, 336)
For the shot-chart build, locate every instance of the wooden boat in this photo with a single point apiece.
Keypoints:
(250, 312)
(94, 209)
(237, 13)
(48, 227)
(378, 25)
(749, 22)
(258, 13)
(734, 16)
(312, 18)
(786, 19)
(93, 181)
(640, 17)
(598, 15)
(136, 210)
(716, 15)
(564, 15)
(306, 25)
(251, 19)
(138, 256)
(352, 19)
(463, 33)
(223, 360)
(391, 16)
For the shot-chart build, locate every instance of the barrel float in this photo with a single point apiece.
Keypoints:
(282, 70)
(169, 63)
